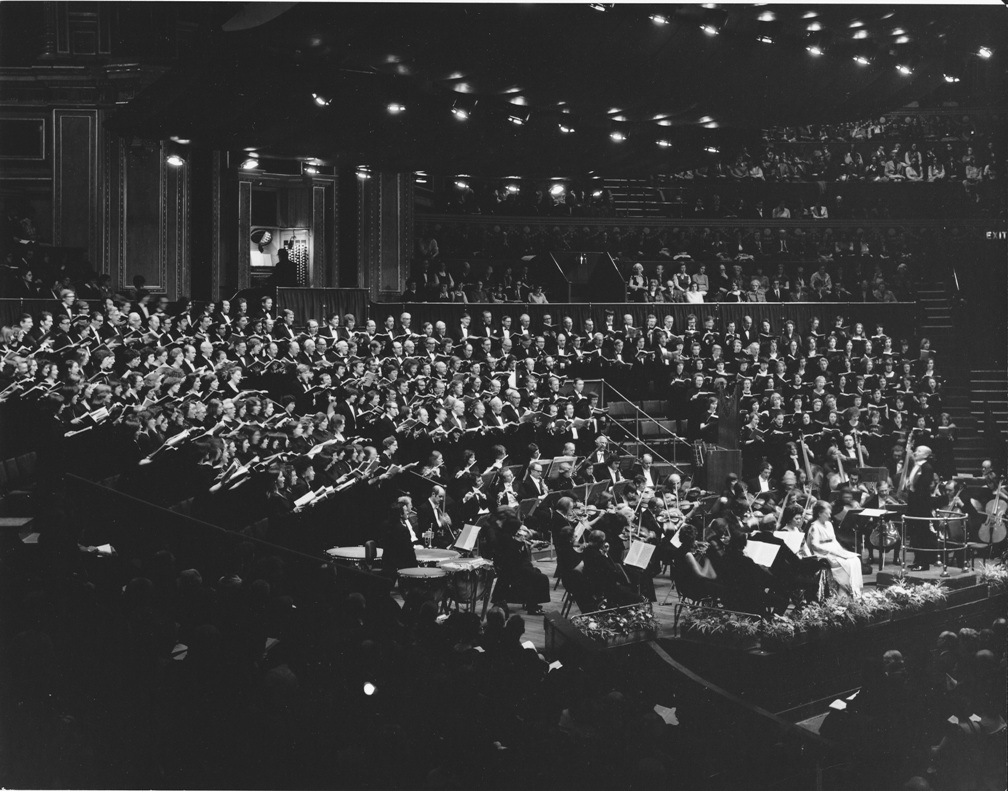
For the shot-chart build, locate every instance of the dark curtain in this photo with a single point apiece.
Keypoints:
(11, 309)
(319, 303)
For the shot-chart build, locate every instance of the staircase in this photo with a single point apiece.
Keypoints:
(967, 391)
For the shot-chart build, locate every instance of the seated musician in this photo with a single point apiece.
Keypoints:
(884, 500)
(399, 537)
(746, 586)
(433, 521)
(605, 578)
(517, 579)
(693, 573)
(821, 541)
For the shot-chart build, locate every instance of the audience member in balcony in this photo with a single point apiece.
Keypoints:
(781, 212)
(701, 280)
(693, 294)
(755, 292)
(636, 284)
(536, 296)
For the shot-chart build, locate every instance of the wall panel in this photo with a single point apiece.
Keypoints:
(75, 180)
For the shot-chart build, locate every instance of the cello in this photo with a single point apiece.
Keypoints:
(993, 530)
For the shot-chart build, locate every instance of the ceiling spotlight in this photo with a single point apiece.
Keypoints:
(250, 164)
(462, 185)
(462, 108)
(599, 7)
(665, 122)
(518, 117)
(706, 119)
(395, 108)
(861, 59)
(461, 113)
(765, 40)
(175, 160)
(664, 143)
(903, 40)
(814, 27)
(309, 170)
(617, 136)
(711, 125)
(658, 19)
(516, 120)
(951, 78)
(898, 31)
(985, 52)
(814, 50)
(904, 70)
(512, 189)
(369, 688)
(320, 100)
(767, 16)
(597, 194)
(557, 189)
(712, 150)
(363, 172)
(860, 34)
(182, 141)
(710, 30)
(567, 129)
(856, 23)
(810, 15)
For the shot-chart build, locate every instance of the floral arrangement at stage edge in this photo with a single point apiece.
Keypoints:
(611, 626)
(995, 576)
(833, 615)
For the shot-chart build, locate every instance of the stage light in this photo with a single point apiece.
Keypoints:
(309, 170)
(567, 129)
(175, 160)
(462, 185)
(512, 189)
(462, 108)
(658, 19)
(813, 50)
(814, 27)
(712, 150)
(767, 16)
(861, 34)
(516, 120)
(182, 141)
(664, 143)
(810, 15)
(461, 113)
(250, 164)
(710, 30)
(861, 60)
(363, 172)
(711, 125)
(951, 78)
(369, 688)
(856, 23)
(706, 119)
(765, 40)
(598, 7)
(665, 122)
(320, 100)
(898, 31)
(597, 194)
(985, 52)
(903, 40)
(557, 190)
(617, 136)
(904, 70)
(395, 108)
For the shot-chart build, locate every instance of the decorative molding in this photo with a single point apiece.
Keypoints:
(244, 229)
(318, 275)
(42, 122)
(58, 117)
(334, 258)
(215, 218)
(161, 287)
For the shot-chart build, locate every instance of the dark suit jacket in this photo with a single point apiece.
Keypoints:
(397, 548)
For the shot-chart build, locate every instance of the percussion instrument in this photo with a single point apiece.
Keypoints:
(942, 526)
(354, 556)
(469, 580)
(430, 583)
(431, 558)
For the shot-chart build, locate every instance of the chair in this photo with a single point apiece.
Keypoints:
(576, 591)
(690, 596)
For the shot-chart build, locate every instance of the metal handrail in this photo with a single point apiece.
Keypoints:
(675, 436)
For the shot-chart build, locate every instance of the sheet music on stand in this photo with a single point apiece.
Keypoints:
(761, 552)
(527, 507)
(792, 539)
(467, 538)
(639, 555)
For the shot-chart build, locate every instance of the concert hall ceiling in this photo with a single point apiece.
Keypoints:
(386, 85)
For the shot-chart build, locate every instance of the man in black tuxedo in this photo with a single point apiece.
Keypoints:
(920, 502)
(399, 537)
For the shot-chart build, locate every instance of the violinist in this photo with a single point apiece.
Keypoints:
(605, 578)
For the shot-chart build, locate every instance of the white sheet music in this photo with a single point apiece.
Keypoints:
(761, 553)
(639, 555)
(467, 538)
(792, 539)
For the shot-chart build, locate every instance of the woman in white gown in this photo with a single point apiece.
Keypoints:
(820, 541)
